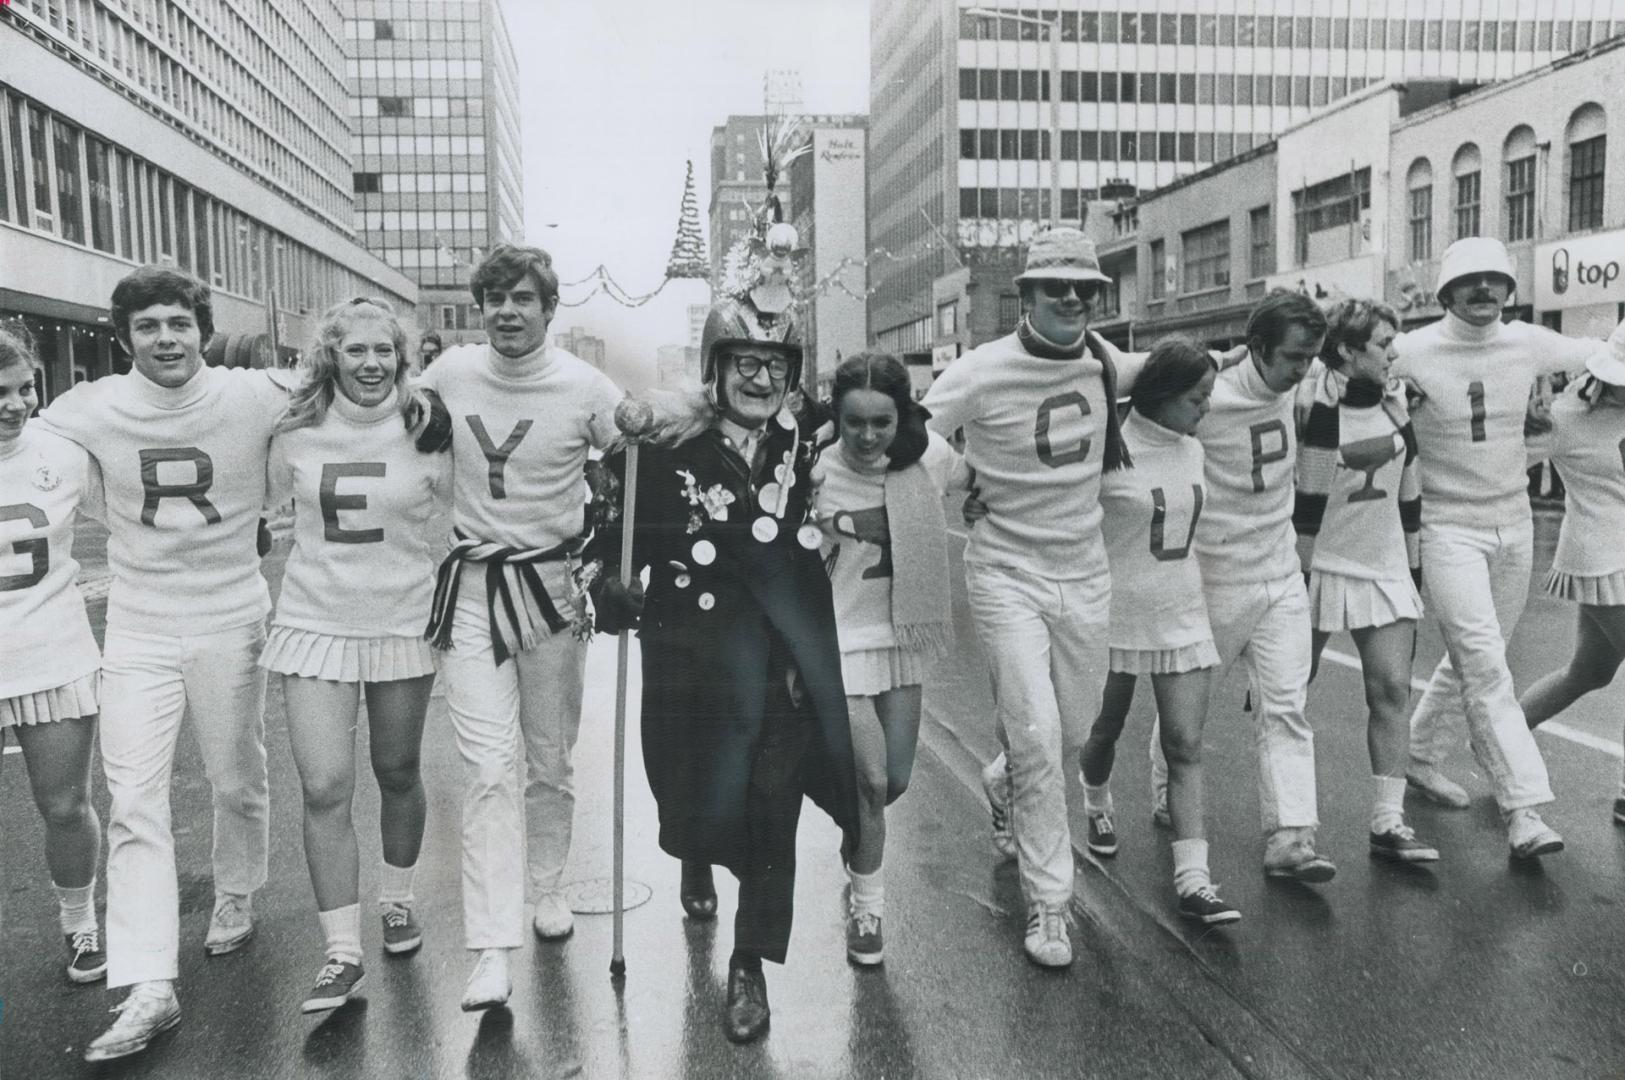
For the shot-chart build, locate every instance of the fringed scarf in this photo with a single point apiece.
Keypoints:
(1116, 455)
(921, 596)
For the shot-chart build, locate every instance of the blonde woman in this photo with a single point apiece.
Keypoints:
(355, 599)
(49, 681)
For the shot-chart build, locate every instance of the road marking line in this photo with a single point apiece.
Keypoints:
(1550, 727)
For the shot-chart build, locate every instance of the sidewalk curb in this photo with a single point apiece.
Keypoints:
(1252, 1044)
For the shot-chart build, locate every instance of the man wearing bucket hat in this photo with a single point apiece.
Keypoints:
(1037, 409)
(743, 708)
(1470, 376)
(1588, 425)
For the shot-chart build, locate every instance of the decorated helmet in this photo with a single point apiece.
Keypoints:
(735, 321)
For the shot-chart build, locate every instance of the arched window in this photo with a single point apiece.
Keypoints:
(1587, 160)
(1518, 183)
(1469, 187)
(1419, 186)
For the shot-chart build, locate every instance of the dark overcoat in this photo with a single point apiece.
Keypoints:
(736, 630)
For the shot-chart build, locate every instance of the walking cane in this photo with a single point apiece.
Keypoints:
(634, 419)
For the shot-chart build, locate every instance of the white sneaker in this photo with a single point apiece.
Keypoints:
(996, 786)
(488, 985)
(1529, 836)
(1048, 943)
(148, 1010)
(231, 925)
(553, 920)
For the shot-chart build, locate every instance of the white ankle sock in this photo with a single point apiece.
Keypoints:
(868, 891)
(1190, 866)
(1388, 802)
(76, 908)
(1097, 799)
(395, 884)
(342, 929)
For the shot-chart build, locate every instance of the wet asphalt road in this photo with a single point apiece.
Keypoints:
(1476, 968)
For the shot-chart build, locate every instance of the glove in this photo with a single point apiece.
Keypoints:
(262, 539)
(974, 509)
(618, 607)
(427, 416)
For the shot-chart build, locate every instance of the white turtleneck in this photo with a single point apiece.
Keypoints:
(521, 429)
(1250, 440)
(364, 498)
(44, 481)
(1470, 387)
(184, 474)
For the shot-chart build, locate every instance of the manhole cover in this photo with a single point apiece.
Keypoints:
(596, 896)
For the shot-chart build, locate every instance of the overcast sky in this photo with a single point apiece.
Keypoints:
(616, 94)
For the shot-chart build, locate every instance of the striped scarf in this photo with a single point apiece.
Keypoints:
(510, 581)
(1319, 397)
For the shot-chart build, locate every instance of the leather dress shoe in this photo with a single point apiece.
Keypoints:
(748, 1014)
(698, 891)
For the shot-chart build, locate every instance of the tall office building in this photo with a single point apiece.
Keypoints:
(207, 136)
(437, 177)
(1149, 90)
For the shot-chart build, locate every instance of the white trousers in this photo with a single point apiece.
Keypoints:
(1046, 642)
(149, 681)
(1265, 625)
(534, 698)
(1477, 582)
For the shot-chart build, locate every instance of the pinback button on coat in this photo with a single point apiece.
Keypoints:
(682, 581)
(707, 601)
(768, 497)
(786, 421)
(764, 529)
(809, 536)
(704, 552)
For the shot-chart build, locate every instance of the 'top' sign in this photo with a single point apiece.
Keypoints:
(1580, 271)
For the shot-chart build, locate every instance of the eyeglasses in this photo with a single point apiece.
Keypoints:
(1059, 290)
(778, 368)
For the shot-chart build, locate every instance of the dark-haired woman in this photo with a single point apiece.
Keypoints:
(879, 503)
(1159, 624)
(349, 620)
(1359, 497)
(49, 682)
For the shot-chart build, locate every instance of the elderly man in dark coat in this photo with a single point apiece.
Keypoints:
(743, 707)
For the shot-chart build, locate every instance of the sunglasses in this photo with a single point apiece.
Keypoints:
(778, 368)
(1059, 290)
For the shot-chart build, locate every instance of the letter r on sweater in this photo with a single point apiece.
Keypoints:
(195, 492)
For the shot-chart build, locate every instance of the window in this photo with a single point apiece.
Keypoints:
(395, 106)
(1587, 158)
(1467, 216)
(967, 143)
(366, 183)
(1261, 240)
(1207, 257)
(1159, 282)
(69, 192)
(1419, 187)
(948, 318)
(1327, 217)
(1586, 161)
(1009, 312)
(98, 159)
(1466, 168)
(39, 168)
(1520, 196)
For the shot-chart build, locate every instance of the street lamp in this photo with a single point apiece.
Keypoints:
(1053, 28)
